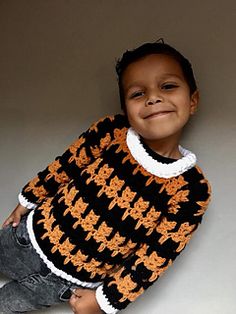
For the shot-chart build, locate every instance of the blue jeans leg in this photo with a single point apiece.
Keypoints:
(33, 285)
(32, 293)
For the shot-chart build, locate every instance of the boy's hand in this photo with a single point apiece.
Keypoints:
(15, 216)
(83, 301)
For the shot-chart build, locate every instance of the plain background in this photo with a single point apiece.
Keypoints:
(57, 75)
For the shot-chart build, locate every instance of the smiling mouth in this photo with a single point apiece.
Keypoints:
(157, 114)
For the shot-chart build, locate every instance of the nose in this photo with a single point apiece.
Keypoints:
(153, 99)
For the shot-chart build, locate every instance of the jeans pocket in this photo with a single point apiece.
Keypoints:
(65, 293)
(21, 235)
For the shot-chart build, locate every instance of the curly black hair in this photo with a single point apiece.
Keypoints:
(158, 47)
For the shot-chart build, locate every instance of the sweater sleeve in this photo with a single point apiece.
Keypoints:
(154, 256)
(80, 153)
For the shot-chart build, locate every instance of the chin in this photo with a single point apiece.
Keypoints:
(161, 136)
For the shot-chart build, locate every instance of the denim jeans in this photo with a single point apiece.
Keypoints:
(33, 286)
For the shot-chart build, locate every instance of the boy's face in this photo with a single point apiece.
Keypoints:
(157, 98)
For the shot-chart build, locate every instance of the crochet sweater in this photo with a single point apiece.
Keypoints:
(107, 215)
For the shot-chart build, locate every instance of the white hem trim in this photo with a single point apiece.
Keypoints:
(103, 302)
(156, 168)
(24, 202)
(49, 264)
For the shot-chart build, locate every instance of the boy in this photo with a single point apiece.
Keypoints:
(111, 214)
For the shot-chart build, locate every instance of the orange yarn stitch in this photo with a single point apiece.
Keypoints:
(65, 248)
(78, 260)
(111, 190)
(159, 271)
(103, 174)
(104, 142)
(58, 177)
(172, 185)
(91, 169)
(150, 221)
(115, 242)
(69, 196)
(101, 234)
(45, 210)
(47, 223)
(204, 204)
(93, 268)
(125, 286)
(180, 196)
(82, 159)
(54, 237)
(39, 191)
(164, 227)
(76, 145)
(136, 212)
(76, 210)
(152, 261)
(125, 199)
(183, 235)
(120, 139)
(88, 223)
(203, 208)
(94, 126)
(127, 249)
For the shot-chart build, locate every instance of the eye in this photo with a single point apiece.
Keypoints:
(137, 94)
(168, 86)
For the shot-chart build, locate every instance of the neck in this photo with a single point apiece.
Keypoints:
(165, 147)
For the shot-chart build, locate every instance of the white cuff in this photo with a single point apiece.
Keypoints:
(24, 202)
(103, 302)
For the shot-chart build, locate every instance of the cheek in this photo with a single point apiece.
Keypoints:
(132, 111)
(135, 107)
(184, 105)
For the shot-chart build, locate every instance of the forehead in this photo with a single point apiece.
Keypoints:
(152, 66)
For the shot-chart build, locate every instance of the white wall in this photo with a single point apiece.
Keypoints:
(57, 75)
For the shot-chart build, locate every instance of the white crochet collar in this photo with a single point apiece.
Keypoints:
(159, 169)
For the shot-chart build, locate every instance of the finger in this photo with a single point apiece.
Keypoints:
(74, 299)
(8, 221)
(76, 293)
(16, 220)
(72, 302)
(75, 307)
(78, 289)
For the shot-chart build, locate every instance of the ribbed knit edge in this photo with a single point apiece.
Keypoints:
(155, 167)
(24, 202)
(49, 264)
(103, 302)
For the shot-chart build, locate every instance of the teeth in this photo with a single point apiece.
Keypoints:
(158, 113)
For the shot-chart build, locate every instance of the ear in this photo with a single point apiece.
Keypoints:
(194, 102)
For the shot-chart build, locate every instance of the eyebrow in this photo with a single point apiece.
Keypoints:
(165, 76)
(169, 75)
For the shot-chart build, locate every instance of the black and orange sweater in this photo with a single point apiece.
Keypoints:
(109, 215)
